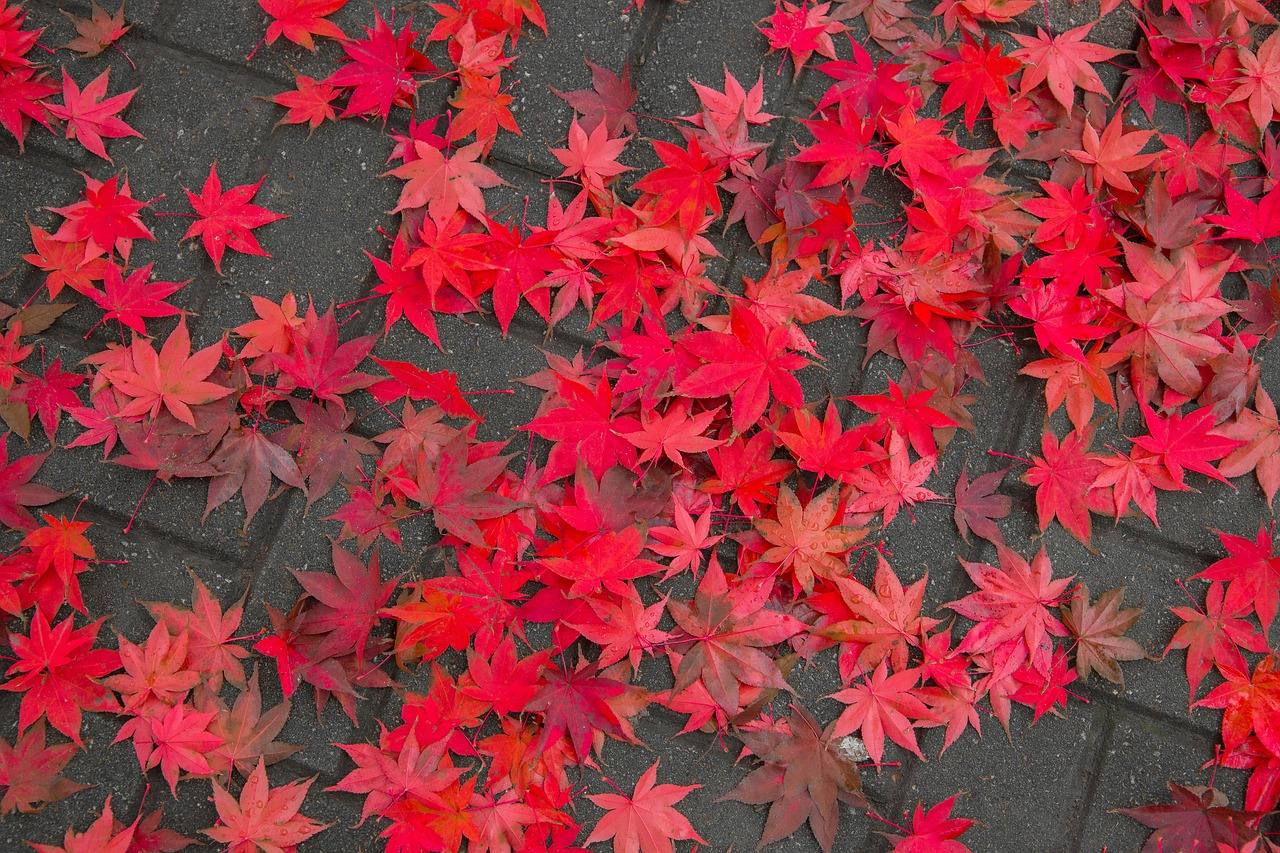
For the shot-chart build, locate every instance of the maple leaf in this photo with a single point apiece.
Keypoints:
(317, 362)
(934, 831)
(210, 649)
(134, 299)
(106, 219)
(592, 155)
(17, 492)
(607, 103)
(264, 819)
(444, 184)
(482, 108)
(56, 670)
(805, 776)
(181, 741)
(1114, 154)
(225, 220)
(747, 362)
(1063, 60)
(684, 188)
(1246, 219)
(246, 459)
(1185, 441)
(29, 772)
(801, 31)
(805, 540)
(102, 836)
(155, 676)
(310, 103)
(1250, 705)
(977, 75)
(1252, 573)
(174, 379)
(65, 263)
(725, 632)
(90, 115)
(1063, 477)
(882, 704)
(1196, 819)
(1214, 635)
(24, 93)
(382, 69)
(1097, 628)
(646, 821)
(246, 734)
(1259, 428)
(456, 489)
(1258, 81)
(350, 601)
(299, 20)
(48, 395)
(386, 777)
(1012, 610)
(978, 505)
(575, 702)
(98, 32)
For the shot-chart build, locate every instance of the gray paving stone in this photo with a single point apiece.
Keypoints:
(595, 29)
(1025, 792)
(1141, 755)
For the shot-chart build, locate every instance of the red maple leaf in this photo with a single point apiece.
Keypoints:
(746, 362)
(382, 69)
(174, 378)
(646, 821)
(310, 103)
(1252, 573)
(1064, 476)
(1064, 61)
(349, 604)
(805, 776)
(1214, 635)
(263, 814)
(17, 492)
(56, 671)
(225, 220)
(65, 263)
(1012, 609)
(456, 490)
(607, 103)
(882, 704)
(976, 75)
(801, 31)
(134, 299)
(29, 772)
(725, 631)
(90, 115)
(299, 20)
(106, 219)
(245, 461)
(574, 701)
(1197, 818)
(98, 32)
(934, 831)
(317, 362)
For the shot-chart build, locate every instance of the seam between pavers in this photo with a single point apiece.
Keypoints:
(1122, 703)
(1099, 742)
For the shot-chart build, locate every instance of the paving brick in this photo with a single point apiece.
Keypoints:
(596, 29)
(1026, 791)
(1140, 756)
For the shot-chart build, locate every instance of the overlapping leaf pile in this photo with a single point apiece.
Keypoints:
(682, 457)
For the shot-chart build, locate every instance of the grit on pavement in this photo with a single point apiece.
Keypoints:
(1051, 787)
